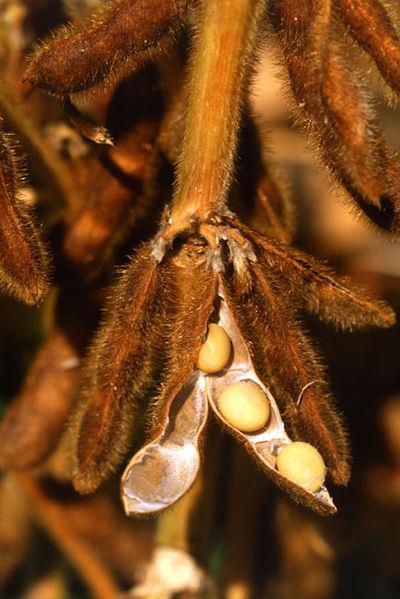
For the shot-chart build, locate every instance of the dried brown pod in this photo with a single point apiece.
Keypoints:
(117, 37)
(23, 258)
(268, 349)
(34, 422)
(369, 23)
(313, 286)
(118, 372)
(32, 425)
(334, 104)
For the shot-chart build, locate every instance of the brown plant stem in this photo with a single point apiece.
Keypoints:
(218, 71)
(51, 516)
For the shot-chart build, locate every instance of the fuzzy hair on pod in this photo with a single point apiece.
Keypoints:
(120, 371)
(193, 295)
(117, 37)
(369, 23)
(284, 362)
(313, 286)
(23, 257)
(334, 105)
(166, 466)
(141, 357)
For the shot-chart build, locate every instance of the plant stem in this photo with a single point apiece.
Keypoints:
(222, 51)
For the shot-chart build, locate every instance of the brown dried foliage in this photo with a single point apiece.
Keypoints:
(120, 194)
(23, 258)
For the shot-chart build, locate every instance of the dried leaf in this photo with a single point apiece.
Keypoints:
(118, 197)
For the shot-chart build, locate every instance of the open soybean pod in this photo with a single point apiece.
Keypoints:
(166, 467)
(120, 369)
(267, 442)
(23, 258)
(116, 38)
(161, 472)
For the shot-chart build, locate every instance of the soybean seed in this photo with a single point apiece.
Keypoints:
(302, 464)
(244, 406)
(216, 350)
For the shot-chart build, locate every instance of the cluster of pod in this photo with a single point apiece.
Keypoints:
(223, 379)
(211, 325)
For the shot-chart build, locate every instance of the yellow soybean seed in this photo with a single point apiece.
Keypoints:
(216, 350)
(244, 406)
(302, 464)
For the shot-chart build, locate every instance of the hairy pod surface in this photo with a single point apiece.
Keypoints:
(282, 359)
(118, 36)
(23, 258)
(313, 286)
(333, 104)
(166, 467)
(120, 370)
(370, 25)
